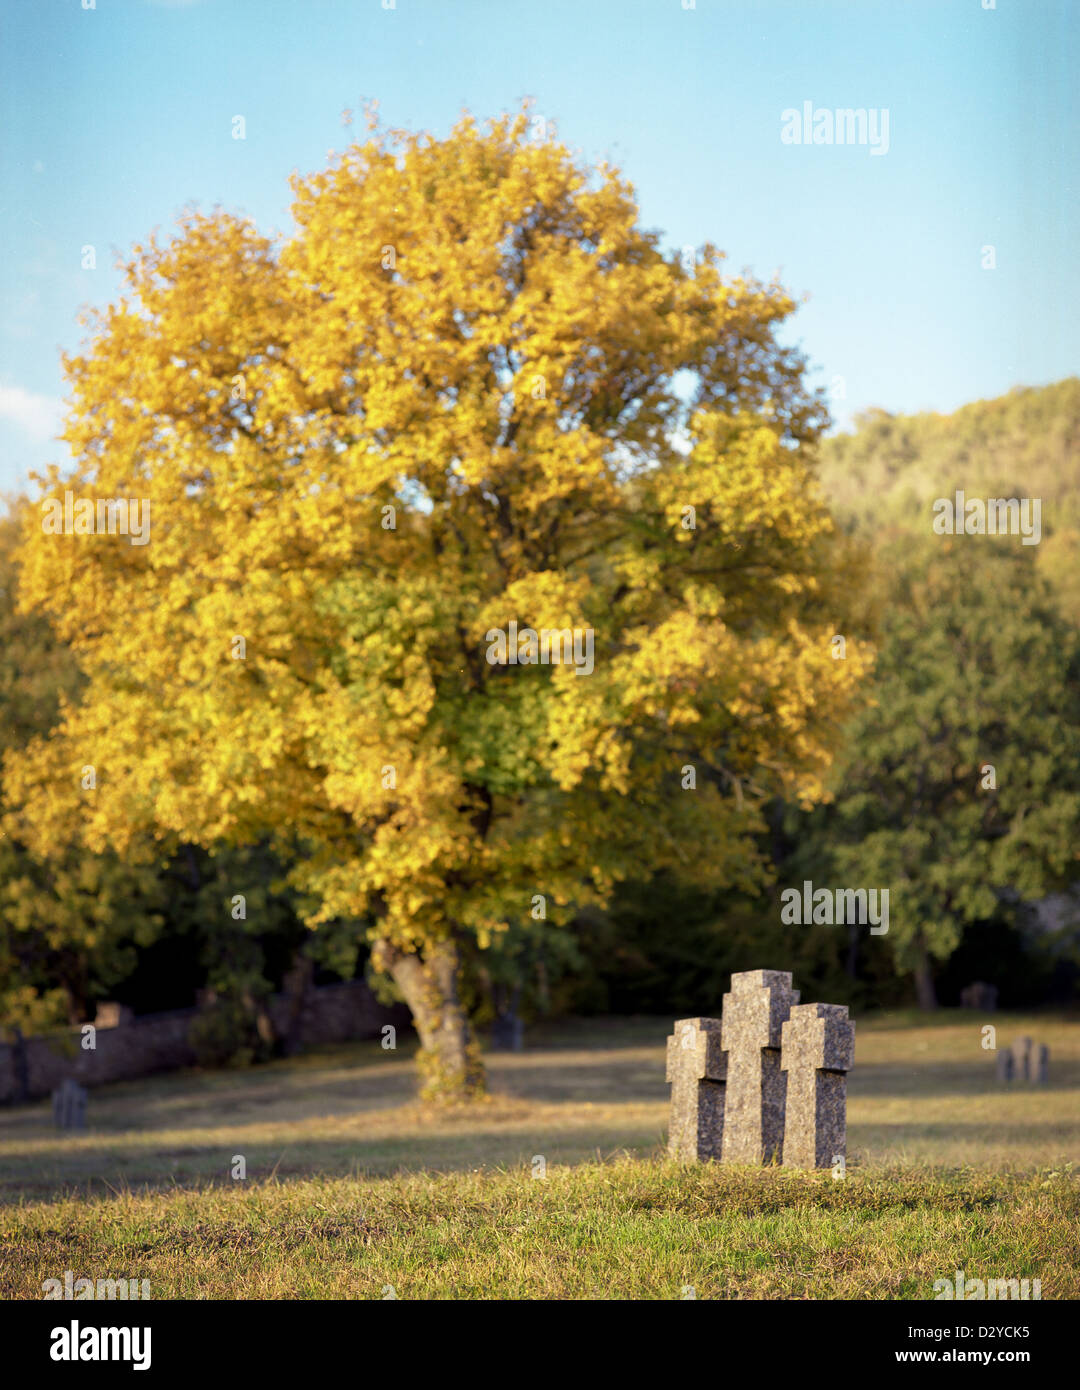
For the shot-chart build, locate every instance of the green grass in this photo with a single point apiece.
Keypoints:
(351, 1187)
(626, 1229)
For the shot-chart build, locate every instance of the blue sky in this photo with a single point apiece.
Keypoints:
(116, 117)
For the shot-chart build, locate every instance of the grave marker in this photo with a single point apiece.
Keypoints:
(1022, 1059)
(69, 1105)
(753, 1015)
(979, 995)
(817, 1052)
(696, 1072)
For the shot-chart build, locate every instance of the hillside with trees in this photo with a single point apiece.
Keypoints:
(882, 477)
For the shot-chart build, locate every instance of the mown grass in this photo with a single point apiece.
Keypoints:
(626, 1229)
(353, 1188)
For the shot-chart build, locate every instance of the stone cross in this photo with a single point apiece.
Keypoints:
(696, 1072)
(69, 1105)
(817, 1052)
(979, 995)
(754, 1013)
(1022, 1059)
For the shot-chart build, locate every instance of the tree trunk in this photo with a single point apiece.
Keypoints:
(449, 1060)
(75, 1003)
(853, 950)
(297, 987)
(924, 979)
(20, 1066)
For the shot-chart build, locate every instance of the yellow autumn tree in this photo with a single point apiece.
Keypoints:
(469, 392)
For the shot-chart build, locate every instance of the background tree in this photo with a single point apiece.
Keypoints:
(469, 389)
(70, 922)
(665, 939)
(959, 789)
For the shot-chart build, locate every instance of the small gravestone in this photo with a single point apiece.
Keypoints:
(1022, 1059)
(69, 1105)
(507, 1034)
(696, 1072)
(753, 1015)
(979, 995)
(817, 1052)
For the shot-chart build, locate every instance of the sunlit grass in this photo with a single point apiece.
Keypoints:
(627, 1229)
(351, 1186)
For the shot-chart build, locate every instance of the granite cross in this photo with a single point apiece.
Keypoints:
(1022, 1049)
(696, 1072)
(753, 1015)
(817, 1052)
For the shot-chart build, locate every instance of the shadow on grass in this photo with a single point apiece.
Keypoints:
(904, 1081)
(594, 1087)
(109, 1170)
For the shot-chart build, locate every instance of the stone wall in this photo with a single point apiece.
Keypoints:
(127, 1047)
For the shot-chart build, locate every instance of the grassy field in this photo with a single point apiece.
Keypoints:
(352, 1189)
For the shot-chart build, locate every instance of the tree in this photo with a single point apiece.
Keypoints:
(960, 786)
(70, 922)
(454, 400)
